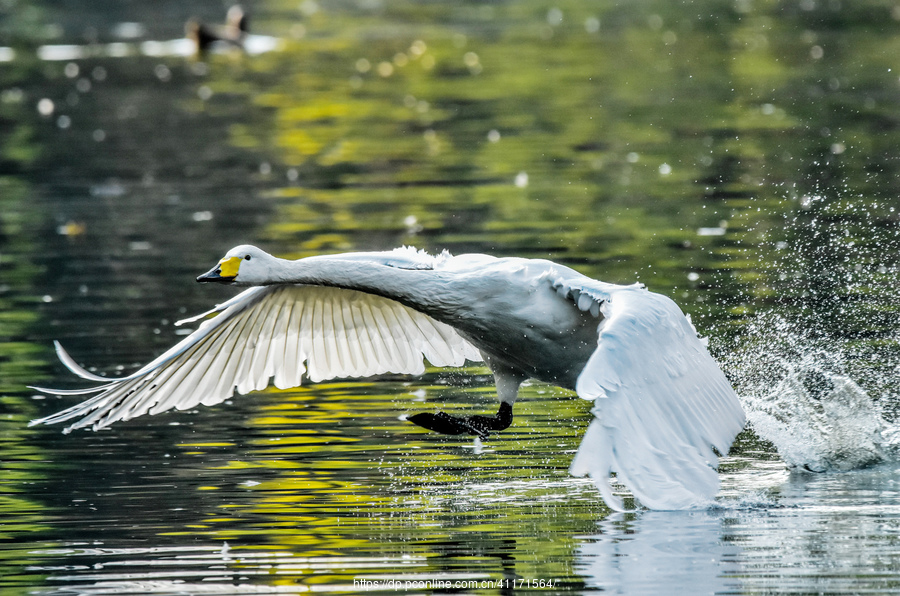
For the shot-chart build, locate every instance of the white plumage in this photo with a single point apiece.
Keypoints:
(661, 402)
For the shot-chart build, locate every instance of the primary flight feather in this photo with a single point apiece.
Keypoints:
(662, 404)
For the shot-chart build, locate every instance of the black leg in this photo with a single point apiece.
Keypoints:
(473, 425)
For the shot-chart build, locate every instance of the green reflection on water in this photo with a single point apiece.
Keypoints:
(23, 469)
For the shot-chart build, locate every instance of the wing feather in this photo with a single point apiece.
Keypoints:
(128, 402)
(317, 354)
(341, 339)
(366, 344)
(238, 351)
(354, 337)
(306, 349)
(662, 402)
(423, 336)
(290, 376)
(204, 370)
(331, 356)
(383, 344)
(266, 332)
(402, 334)
(274, 349)
(260, 354)
(380, 350)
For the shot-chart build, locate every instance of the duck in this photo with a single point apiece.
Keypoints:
(663, 410)
(233, 33)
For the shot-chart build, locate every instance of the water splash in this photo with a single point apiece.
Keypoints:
(820, 421)
(800, 394)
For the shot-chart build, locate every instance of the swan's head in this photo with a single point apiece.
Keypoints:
(243, 265)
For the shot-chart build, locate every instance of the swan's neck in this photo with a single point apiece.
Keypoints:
(425, 290)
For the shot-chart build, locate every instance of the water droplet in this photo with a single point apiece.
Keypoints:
(417, 48)
(554, 17)
(385, 69)
(162, 72)
(45, 107)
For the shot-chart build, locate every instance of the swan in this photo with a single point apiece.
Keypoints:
(662, 404)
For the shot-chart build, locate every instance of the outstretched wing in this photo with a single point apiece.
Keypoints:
(267, 332)
(662, 403)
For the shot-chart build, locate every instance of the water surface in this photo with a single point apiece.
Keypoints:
(739, 157)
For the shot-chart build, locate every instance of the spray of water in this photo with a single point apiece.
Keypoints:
(817, 364)
(800, 394)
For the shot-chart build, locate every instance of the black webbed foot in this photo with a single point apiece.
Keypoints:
(480, 426)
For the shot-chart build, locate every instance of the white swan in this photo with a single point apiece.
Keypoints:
(662, 403)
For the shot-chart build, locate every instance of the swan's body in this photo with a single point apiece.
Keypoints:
(663, 403)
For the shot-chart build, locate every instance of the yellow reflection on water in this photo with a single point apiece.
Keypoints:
(330, 469)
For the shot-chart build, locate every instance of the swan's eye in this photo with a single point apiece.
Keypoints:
(247, 257)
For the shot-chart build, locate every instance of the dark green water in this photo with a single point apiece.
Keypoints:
(741, 157)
